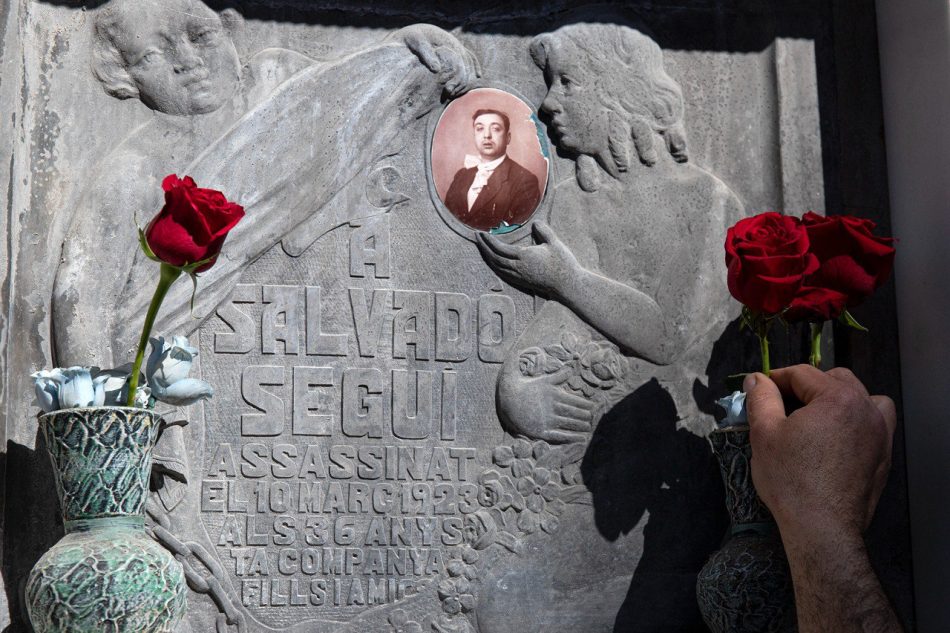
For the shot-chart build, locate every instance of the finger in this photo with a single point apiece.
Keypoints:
(847, 376)
(453, 87)
(503, 266)
(886, 406)
(564, 437)
(574, 413)
(499, 247)
(566, 423)
(542, 232)
(494, 259)
(804, 381)
(763, 402)
(573, 399)
(425, 52)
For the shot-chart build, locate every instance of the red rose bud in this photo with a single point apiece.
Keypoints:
(193, 224)
(768, 260)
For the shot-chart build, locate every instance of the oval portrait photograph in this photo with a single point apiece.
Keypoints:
(489, 160)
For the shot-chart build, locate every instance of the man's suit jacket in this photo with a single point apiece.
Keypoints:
(511, 195)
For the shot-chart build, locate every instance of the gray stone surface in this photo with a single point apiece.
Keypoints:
(414, 428)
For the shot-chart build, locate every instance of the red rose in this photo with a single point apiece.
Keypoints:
(193, 224)
(852, 263)
(768, 258)
(815, 304)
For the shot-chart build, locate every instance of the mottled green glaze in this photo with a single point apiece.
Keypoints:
(106, 574)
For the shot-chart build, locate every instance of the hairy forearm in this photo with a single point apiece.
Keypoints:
(628, 317)
(835, 587)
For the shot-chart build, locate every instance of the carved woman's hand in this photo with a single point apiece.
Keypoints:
(548, 267)
(443, 54)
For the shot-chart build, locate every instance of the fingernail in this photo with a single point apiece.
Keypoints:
(749, 383)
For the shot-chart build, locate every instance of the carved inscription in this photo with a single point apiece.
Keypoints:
(313, 399)
(343, 483)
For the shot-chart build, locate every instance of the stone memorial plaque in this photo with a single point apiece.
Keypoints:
(465, 344)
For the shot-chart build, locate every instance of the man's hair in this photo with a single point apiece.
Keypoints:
(504, 117)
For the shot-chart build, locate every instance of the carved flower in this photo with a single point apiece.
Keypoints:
(479, 529)
(452, 624)
(531, 362)
(534, 361)
(503, 456)
(456, 595)
(521, 448)
(571, 474)
(601, 366)
(522, 464)
(491, 494)
(402, 624)
(464, 566)
(541, 502)
(536, 488)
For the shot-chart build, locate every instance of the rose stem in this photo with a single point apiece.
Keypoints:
(165, 280)
(764, 347)
(815, 357)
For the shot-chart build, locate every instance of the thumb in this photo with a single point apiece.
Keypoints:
(763, 401)
(543, 233)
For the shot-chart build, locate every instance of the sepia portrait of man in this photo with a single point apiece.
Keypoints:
(500, 181)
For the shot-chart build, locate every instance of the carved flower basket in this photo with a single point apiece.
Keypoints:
(746, 586)
(106, 573)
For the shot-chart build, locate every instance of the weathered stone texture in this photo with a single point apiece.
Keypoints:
(416, 427)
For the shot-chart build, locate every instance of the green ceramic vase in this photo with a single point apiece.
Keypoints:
(106, 573)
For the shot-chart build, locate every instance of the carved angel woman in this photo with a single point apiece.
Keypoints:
(633, 253)
(632, 264)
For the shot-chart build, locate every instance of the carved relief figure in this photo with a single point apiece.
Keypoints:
(223, 128)
(602, 378)
(310, 157)
(177, 58)
(271, 134)
(494, 188)
(631, 254)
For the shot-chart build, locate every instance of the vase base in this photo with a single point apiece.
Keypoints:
(106, 575)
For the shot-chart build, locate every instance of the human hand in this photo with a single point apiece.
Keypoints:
(547, 267)
(820, 470)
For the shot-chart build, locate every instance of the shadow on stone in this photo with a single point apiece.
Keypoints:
(32, 522)
(638, 462)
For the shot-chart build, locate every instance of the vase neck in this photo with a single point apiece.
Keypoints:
(734, 454)
(134, 522)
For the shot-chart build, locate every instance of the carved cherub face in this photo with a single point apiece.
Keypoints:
(578, 118)
(177, 54)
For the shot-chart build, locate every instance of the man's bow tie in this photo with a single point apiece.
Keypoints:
(473, 161)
